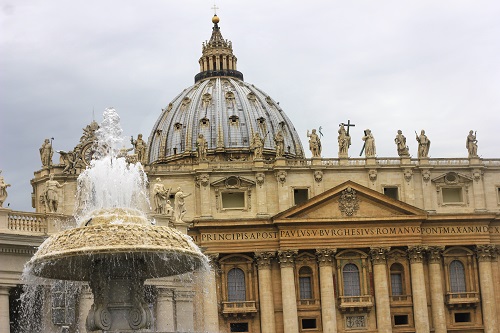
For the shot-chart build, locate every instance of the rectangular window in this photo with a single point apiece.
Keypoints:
(452, 195)
(309, 323)
(400, 320)
(238, 327)
(396, 284)
(305, 287)
(392, 192)
(300, 195)
(233, 200)
(462, 317)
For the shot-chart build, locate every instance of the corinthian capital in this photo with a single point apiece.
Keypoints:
(434, 254)
(416, 253)
(287, 257)
(486, 252)
(378, 255)
(263, 259)
(325, 256)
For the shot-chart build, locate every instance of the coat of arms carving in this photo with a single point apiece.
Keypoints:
(348, 202)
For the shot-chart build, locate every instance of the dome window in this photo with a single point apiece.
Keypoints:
(178, 126)
(204, 122)
(251, 97)
(234, 120)
(207, 100)
(185, 103)
(230, 99)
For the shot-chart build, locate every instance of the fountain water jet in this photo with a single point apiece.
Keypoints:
(115, 248)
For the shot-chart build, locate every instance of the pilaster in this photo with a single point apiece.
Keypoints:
(419, 292)
(435, 259)
(382, 302)
(267, 316)
(4, 310)
(485, 254)
(210, 302)
(287, 263)
(328, 307)
(165, 315)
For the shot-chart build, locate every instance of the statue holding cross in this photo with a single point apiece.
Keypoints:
(344, 139)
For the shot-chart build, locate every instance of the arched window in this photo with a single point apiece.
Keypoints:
(350, 274)
(457, 277)
(236, 291)
(397, 286)
(305, 283)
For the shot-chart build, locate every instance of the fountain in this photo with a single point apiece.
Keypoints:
(115, 248)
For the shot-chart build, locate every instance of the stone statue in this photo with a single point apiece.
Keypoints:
(140, 148)
(160, 197)
(123, 152)
(179, 209)
(70, 160)
(400, 141)
(369, 145)
(3, 189)
(471, 144)
(257, 144)
(202, 147)
(314, 143)
(344, 140)
(50, 196)
(279, 142)
(423, 144)
(46, 153)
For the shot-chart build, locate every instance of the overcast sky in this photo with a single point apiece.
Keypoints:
(385, 65)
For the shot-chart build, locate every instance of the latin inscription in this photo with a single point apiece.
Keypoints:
(345, 232)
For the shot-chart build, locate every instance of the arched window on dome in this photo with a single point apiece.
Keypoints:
(457, 277)
(350, 275)
(236, 289)
(305, 283)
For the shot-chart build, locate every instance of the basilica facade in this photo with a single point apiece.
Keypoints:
(296, 244)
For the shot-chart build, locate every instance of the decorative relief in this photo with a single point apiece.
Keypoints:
(206, 100)
(408, 173)
(325, 256)
(260, 177)
(378, 255)
(476, 174)
(168, 108)
(348, 202)
(426, 175)
(416, 253)
(281, 177)
(372, 174)
(353, 322)
(287, 257)
(318, 176)
(486, 252)
(230, 99)
(435, 254)
(263, 259)
(202, 180)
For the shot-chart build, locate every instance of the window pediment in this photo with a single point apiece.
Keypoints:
(233, 182)
(452, 178)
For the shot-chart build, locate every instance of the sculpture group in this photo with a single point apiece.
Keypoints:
(369, 148)
(162, 204)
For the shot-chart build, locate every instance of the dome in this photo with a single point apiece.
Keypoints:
(227, 111)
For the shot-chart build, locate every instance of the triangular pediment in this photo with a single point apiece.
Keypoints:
(233, 182)
(350, 201)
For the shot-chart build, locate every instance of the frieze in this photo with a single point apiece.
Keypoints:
(345, 232)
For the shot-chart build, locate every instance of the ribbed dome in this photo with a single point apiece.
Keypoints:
(227, 111)
(224, 109)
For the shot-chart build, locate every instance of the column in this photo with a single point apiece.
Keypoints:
(382, 304)
(210, 303)
(4, 309)
(436, 287)
(287, 263)
(267, 321)
(165, 320)
(485, 254)
(420, 311)
(327, 290)
(184, 310)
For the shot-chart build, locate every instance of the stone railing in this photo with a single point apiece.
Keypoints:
(400, 298)
(239, 307)
(30, 223)
(355, 303)
(308, 302)
(467, 299)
